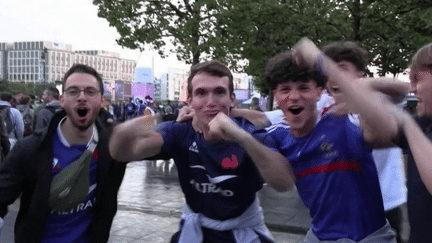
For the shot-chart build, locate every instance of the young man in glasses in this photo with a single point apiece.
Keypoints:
(67, 181)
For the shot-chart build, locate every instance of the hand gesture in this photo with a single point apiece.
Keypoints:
(305, 52)
(222, 128)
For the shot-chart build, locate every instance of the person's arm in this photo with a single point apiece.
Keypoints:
(13, 176)
(135, 139)
(4, 140)
(272, 165)
(419, 145)
(258, 118)
(363, 99)
(19, 124)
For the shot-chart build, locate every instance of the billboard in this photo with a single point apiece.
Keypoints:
(141, 90)
(143, 75)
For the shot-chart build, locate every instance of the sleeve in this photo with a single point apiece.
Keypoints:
(12, 177)
(19, 124)
(265, 138)
(43, 119)
(274, 116)
(169, 134)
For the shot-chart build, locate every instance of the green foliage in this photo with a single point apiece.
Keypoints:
(246, 33)
(28, 88)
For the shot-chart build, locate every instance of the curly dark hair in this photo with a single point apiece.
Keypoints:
(283, 68)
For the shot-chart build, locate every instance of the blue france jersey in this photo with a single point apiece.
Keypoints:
(71, 226)
(335, 176)
(219, 180)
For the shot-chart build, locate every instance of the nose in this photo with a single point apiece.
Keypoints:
(211, 100)
(413, 88)
(294, 95)
(81, 95)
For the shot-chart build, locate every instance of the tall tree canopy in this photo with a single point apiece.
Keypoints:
(245, 33)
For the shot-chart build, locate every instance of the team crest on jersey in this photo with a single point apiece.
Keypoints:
(326, 146)
(194, 147)
(230, 163)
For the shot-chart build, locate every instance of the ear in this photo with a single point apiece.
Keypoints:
(61, 100)
(189, 100)
(103, 99)
(319, 92)
(233, 100)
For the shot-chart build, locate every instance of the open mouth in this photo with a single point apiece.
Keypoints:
(296, 110)
(82, 111)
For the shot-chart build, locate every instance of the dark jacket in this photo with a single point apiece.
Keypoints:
(4, 142)
(27, 169)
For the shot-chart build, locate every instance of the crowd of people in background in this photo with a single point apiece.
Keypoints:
(22, 114)
(326, 139)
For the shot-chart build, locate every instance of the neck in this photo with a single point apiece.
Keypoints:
(306, 129)
(74, 135)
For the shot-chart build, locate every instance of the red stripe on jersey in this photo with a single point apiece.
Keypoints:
(334, 166)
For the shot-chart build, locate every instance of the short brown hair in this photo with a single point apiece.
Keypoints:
(81, 68)
(423, 58)
(213, 68)
(24, 100)
(347, 51)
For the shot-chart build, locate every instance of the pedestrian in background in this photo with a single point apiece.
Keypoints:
(43, 115)
(12, 119)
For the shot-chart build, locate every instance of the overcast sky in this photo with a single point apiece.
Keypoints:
(72, 22)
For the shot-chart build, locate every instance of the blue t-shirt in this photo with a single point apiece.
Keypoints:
(335, 176)
(71, 226)
(218, 179)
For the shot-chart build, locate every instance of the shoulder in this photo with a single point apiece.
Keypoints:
(244, 123)
(274, 116)
(15, 112)
(173, 125)
(281, 125)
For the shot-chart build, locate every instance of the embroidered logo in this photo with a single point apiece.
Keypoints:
(326, 146)
(228, 163)
(194, 147)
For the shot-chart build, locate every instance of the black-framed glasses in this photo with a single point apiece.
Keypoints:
(74, 92)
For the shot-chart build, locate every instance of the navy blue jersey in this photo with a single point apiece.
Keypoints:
(218, 179)
(73, 225)
(130, 108)
(336, 177)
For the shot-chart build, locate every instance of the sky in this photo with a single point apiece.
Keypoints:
(72, 22)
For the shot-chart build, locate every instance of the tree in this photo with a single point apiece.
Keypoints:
(246, 33)
(189, 25)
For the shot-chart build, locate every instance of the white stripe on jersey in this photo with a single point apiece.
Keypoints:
(281, 124)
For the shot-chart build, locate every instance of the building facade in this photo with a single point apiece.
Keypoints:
(44, 61)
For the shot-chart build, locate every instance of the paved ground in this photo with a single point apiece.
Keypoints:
(150, 202)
